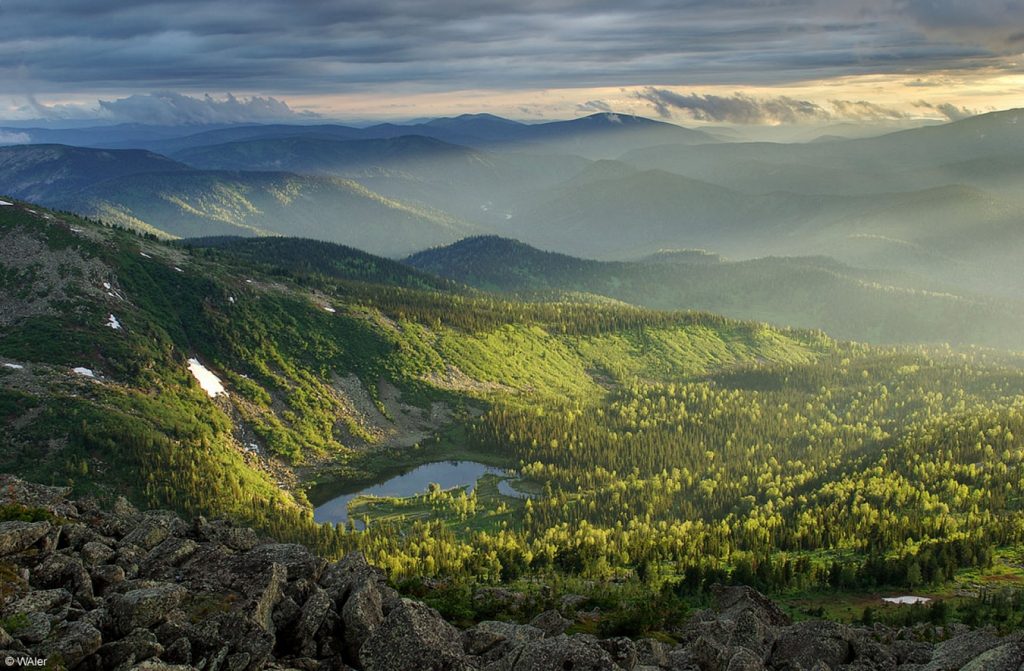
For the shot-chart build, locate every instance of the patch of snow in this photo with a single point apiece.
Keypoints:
(210, 383)
(178, 269)
(4, 203)
(15, 366)
(508, 215)
(145, 255)
(248, 281)
(75, 230)
(252, 447)
(32, 211)
(906, 600)
(81, 370)
(106, 285)
(231, 299)
(113, 323)
(330, 309)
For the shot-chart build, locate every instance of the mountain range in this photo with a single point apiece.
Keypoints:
(923, 216)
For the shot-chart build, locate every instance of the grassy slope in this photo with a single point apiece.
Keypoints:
(146, 425)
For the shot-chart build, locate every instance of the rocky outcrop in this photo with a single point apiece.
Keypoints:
(125, 590)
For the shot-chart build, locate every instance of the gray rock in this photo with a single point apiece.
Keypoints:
(219, 531)
(143, 607)
(551, 623)
(1006, 657)
(414, 637)
(353, 573)
(53, 602)
(59, 570)
(138, 646)
(560, 652)
(801, 645)
(94, 552)
(31, 495)
(75, 535)
(158, 665)
(730, 602)
(912, 652)
(106, 577)
(30, 627)
(263, 592)
(314, 613)
(300, 562)
(166, 556)
(18, 536)
(622, 651)
(149, 533)
(745, 660)
(650, 652)
(71, 642)
(954, 653)
(492, 640)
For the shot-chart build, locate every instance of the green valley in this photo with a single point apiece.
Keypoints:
(654, 453)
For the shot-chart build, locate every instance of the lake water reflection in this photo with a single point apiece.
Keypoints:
(447, 474)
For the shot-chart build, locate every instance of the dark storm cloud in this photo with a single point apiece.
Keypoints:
(293, 47)
(744, 109)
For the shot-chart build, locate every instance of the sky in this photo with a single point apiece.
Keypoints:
(747, 62)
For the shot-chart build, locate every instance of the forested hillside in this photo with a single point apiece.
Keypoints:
(650, 454)
(869, 306)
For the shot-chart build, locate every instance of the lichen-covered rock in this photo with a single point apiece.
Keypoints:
(144, 607)
(18, 536)
(300, 562)
(414, 637)
(560, 652)
(954, 653)
(71, 642)
(551, 623)
(136, 647)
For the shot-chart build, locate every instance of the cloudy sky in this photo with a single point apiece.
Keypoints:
(692, 61)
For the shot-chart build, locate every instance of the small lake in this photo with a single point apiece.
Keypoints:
(447, 474)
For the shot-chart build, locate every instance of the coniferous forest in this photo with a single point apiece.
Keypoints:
(646, 455)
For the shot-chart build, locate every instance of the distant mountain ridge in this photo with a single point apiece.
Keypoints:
(601, 135)
(802, 291)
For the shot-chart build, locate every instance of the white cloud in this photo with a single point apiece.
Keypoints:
(170, 108)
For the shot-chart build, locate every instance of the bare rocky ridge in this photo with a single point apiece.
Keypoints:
(127, 590)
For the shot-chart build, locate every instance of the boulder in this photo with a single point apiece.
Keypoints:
(143, 607)
(314, 613)
(18, 536)
(71, 642)
(560, 652)
(802, 645)
(551, 623)
(94, 552)
(622, 651)
(29, 627)
(54, 603)
(491, 640)
(414, 637)
(136, 647)
(954, 653)
(1006, 657)
(300, 562)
